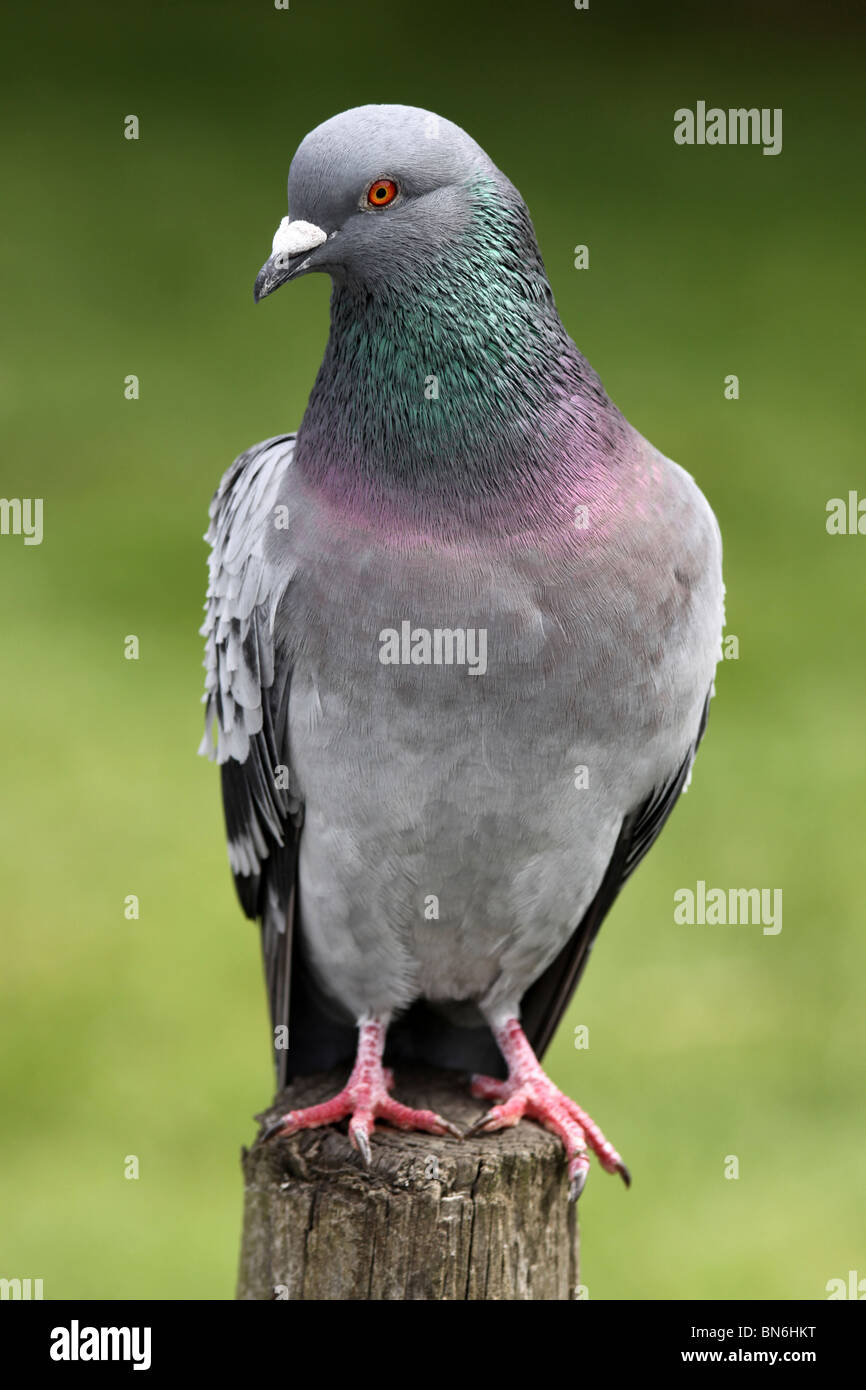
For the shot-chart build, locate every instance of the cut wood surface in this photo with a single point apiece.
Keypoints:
(433, 1218)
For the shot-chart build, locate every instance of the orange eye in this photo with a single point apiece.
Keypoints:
(381, 193)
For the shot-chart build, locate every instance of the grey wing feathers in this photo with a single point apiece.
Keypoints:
(546, 1000)
(246, 697)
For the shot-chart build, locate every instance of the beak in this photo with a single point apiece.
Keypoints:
(293, 242)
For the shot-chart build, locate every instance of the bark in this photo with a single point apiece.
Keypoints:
(434, 1218)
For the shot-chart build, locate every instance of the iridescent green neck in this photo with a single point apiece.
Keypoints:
(454, 381)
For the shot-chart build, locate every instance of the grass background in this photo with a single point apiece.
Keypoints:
(149, 1037)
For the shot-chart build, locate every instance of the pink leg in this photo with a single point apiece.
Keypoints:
(528, 1091)
(364, 1097)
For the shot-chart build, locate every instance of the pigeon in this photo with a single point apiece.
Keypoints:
(461, 634)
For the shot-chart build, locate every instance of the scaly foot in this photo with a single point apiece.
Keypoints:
(530, 1092)
(364, 1097)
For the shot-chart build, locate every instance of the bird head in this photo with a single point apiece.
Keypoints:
(372, 193)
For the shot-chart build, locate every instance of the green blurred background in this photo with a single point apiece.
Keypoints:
(149, 1037)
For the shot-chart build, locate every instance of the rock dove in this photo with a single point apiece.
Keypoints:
(460, 642)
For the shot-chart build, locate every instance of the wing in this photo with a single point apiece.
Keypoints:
(545, 1002)
(246, 697)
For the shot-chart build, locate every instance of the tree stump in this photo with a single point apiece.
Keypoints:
(433, 1218)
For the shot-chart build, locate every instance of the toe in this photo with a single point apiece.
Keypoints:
(488, 1088)
(601, 1147)
(312, 1117)
(404, 1117)
(500, 1116)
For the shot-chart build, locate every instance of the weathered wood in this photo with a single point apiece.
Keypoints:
(480, 1218)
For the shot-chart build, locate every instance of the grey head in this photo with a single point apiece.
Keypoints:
(370, 190)
(436, 275)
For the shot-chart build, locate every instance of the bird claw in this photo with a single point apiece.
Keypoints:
(359, 1137)
(273, 1128)
(530, 1092)
(578, 1171)
(493, 1120)
(479, 1127)
(364, 1099)
(446, 1127)
(623, 1172)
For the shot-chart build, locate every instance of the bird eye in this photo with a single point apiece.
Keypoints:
(381, 193)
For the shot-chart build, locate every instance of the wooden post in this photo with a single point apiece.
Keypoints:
(481, 1218)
